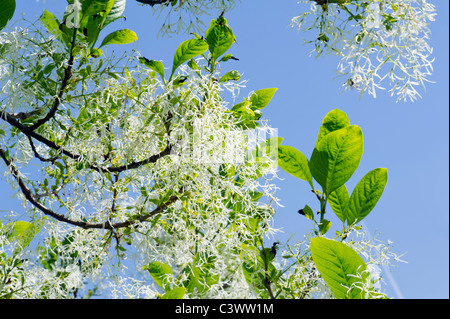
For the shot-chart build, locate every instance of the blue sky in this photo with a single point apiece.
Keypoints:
(409, 139)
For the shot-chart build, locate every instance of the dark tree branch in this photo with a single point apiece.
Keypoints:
(54, 192)
(37, 155)
(23, 115)
(30, 133)
(153, 2)
(133, 165)
(86, 225)
(269, 289)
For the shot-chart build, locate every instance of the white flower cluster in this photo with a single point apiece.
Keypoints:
(189, 10)
(123, 119)
(376, 40)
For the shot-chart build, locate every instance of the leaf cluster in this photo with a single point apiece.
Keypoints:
(335, 158)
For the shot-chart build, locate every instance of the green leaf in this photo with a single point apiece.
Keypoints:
(19, 229)
(156, 66)
(323, 37)
(187, 50)
(219, 37)
(270, 147)
(24, 232)
(267, 255)
(95, 53)
(124, 36)
(193, 65)
(202, 273)
(226, 57)
(116, 11)
(336, 157)
(231, 75)
(366, 195)
(293, 161)
(261, 98)
(7, 8)
(242, 111)
(248, 269)
(179, 80)
(333, 121)
(338, 201)
(267, 148)
(51, 23)
(389, 21)
(339, 266)
(324, 226)
(175, 293)
(161, 274)
(308, 212)
(93, 9)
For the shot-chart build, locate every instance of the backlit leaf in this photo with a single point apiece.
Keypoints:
(124, 36)
(339, 266)
(366, 195)
(187, 50)
(336, 157)
(293, 161)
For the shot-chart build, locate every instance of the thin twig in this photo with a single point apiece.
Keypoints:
(38, 156)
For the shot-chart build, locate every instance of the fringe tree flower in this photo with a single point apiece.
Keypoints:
(181, 11)
(377, 41)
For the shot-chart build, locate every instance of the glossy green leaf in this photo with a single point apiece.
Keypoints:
(116, 11)
(175, 293)
(161, 274)
(261, 98)
(7, 8)
(336, 157)
(366, 195)
(293, 161)
(156, 66)
(124, 36)
(219, 37)
(339, 266)
(94, 9)
(187, 50)
(333, 121)
(338, 200)
(231, 75)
